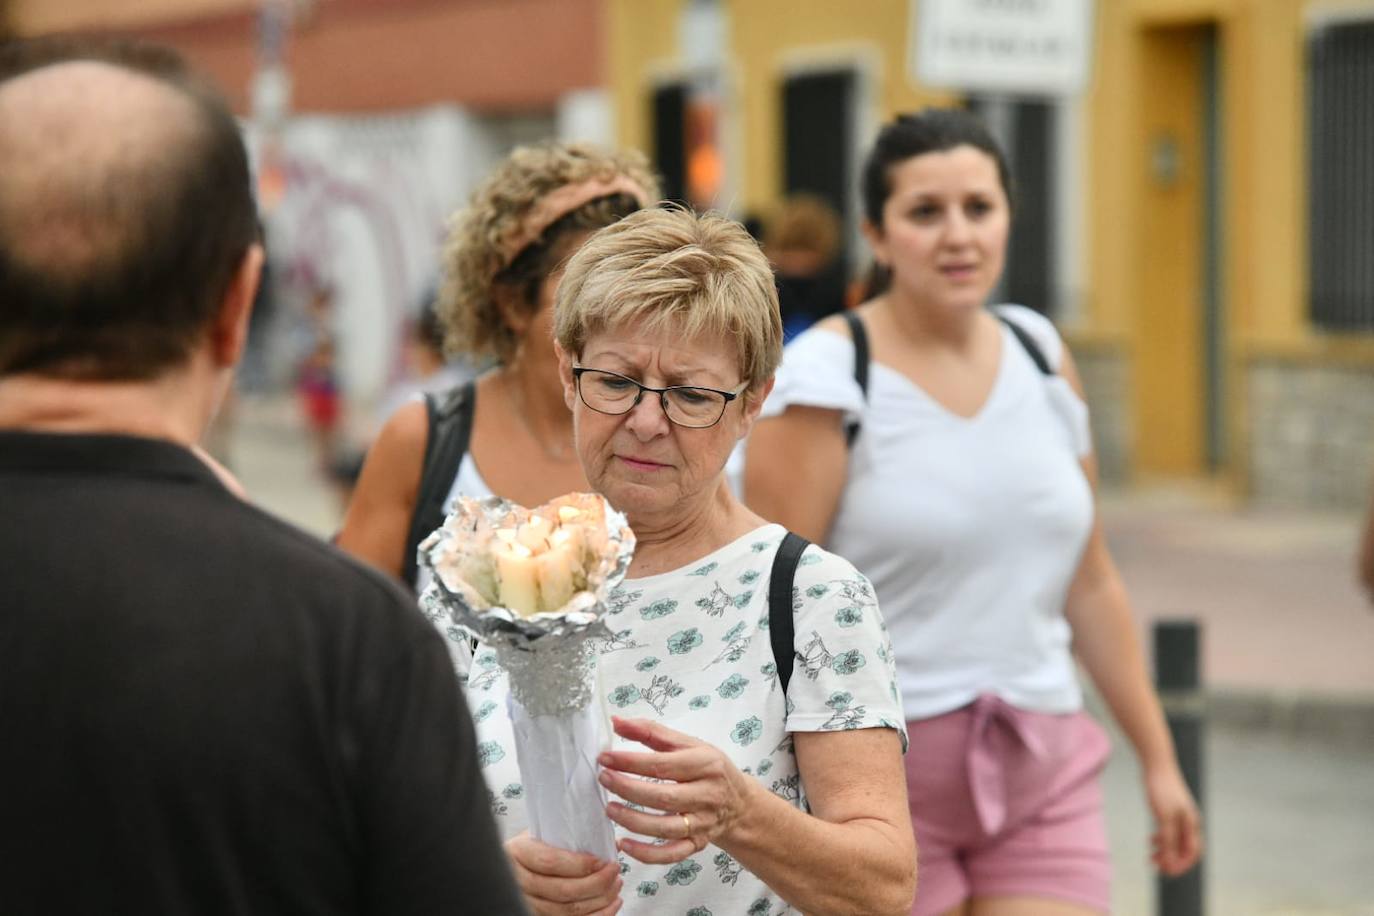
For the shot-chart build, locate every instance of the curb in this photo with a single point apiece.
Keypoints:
(1346, 720)
(1296, 715)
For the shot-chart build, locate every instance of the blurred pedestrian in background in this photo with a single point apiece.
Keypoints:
(966, 496)
(509, 432)
(205, 710)
(317, 378)
(802, 240)
(427, 369)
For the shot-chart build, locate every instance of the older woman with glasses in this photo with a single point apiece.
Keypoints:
(735, 789)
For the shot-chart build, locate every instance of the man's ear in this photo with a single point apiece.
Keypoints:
(565, 374)
(229, 331)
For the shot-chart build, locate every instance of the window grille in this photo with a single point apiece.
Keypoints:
(1027, 130)
(1340, 64)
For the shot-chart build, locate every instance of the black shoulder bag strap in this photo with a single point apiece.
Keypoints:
(780, 627)
(861, 360)
(450, 429)
(1032, 348)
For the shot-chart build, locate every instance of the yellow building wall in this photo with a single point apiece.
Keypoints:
(1142, 256)
(642, 45)
(765, 38)
(1142, 253)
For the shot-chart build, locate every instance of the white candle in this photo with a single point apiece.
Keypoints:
(534, 533)
(517, 572)
(555, 571)
(572, 539)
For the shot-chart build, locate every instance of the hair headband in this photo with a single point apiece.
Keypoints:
(561, 201)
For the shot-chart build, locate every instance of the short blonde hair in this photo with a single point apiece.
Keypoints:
(673, 268)
(476, 258)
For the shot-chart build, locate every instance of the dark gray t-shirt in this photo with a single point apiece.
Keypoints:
(205, 711)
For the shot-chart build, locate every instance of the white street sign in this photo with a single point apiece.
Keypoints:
(1020, 47)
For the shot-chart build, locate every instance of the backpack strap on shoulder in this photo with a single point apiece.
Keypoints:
(450, 430)
(1028, 343)
(781, 631)
(861, 361)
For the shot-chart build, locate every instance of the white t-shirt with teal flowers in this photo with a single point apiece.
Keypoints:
(691, 650)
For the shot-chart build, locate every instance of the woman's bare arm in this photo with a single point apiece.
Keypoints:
(1105, 641)
(378, 517)
(856, 789)
(795, 467)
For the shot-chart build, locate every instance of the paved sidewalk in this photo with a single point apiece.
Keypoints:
(1274, 590)
(1288, 660)
(1288, 635)
(269, 450)
(1288, 824)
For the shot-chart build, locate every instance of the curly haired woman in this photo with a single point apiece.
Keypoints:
(502, 262)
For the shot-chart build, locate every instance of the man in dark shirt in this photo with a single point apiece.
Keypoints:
(202, 710)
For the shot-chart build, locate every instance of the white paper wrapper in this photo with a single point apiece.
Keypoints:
(557, 757)
(559, 722)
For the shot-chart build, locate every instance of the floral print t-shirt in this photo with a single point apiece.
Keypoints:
(691, 650)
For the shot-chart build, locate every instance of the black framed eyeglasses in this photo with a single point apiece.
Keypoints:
(686, 405)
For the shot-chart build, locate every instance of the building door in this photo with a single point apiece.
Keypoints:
(1179, 340)
(819, 122)
(669, 103)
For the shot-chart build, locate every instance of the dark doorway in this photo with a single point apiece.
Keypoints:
(670, 141)
(1027, 130)
(1031, 248)
(819, 115)
(1340, 137)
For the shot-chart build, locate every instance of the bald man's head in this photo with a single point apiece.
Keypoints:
(125, 208)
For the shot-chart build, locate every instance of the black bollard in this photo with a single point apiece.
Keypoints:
(1177, 645)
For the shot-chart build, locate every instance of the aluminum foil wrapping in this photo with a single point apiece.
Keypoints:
(558, 719)
(546, 655)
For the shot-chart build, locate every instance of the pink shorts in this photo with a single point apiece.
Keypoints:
(1007, 803)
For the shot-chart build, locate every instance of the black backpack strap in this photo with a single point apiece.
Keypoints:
(450, 429)
(780, 629)
(861, 360)
(1032, 348)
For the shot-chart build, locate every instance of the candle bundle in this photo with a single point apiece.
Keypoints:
(540, 563)
(532, 585)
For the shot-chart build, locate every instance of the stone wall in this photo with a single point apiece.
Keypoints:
(1311, 434)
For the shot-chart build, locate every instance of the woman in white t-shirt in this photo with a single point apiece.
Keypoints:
(967, 500)
(734, 790)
